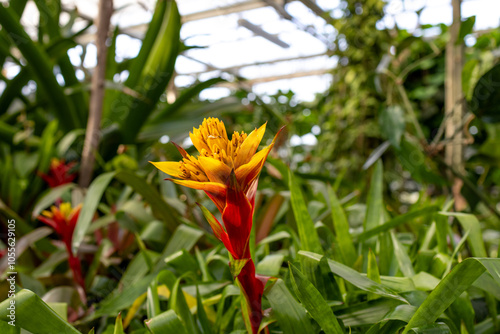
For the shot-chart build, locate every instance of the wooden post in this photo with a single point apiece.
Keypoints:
(454, 103)
(93, 132)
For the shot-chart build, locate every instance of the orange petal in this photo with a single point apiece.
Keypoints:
(212, 187)
(171, 168)
(216, 170)
(249, 146)
(181, 150)
(249, 171)
(214, 190)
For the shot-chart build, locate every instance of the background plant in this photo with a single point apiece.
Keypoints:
(358, 232)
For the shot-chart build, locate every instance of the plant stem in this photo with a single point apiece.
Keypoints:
(92, 134)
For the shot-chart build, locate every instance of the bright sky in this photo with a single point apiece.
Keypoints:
(227, 44)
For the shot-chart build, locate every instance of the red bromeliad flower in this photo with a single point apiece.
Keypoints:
(63, 220)
(228, 172)
(59, 173)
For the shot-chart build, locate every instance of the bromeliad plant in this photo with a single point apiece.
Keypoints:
(228, 172)
(59, 173)
(63, 220)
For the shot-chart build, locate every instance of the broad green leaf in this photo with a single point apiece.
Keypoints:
(119, 325)
(485, 103)
(314, 303)
(184, 237)
(167, 322)
(341, 227)
(178, 303)
(5, 328)
(92, 199)
(151, 195)
(40, 65)
(307, 233)
(34, 315)
(355, 278)
(156, 72)
(392, 124)
(152, 300)
(452, 286)
(465, 28)
(270, 265)
(366, 313)
(292, 317)
(374, 210)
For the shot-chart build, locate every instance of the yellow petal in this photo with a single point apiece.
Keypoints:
(171, 168)
(198, 141)
(212, 187)
(246, 173)
(214, 190)
(47, 214)
(249, 146)
(216, 170)
(65, 209)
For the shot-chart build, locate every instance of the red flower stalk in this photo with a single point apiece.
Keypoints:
(63, 220)
(228, 172)
(59, 173)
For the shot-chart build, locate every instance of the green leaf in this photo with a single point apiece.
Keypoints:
(270, 265)
(396, 221)
(452, 286)
(184, 98)
(167, 322)
(341, 227)
(470, 223)
(465, 28)
(485, 102)
(206, 325)
(151, 195)
(34, 315)
(307, 233)
(292, 317)
(402, 257)
(178, 303)
(392, 124)
(372, 271)
(152, 300)
(374, 210)
(119, 325)
(40, 64)
(156, 72)
(355, 278)
(184, 237)
(314, 303)
(92, 200)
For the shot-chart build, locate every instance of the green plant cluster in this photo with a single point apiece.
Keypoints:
(357, 232)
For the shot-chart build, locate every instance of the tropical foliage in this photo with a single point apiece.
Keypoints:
(356, 234)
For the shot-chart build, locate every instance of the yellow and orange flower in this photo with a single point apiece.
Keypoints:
(228, 171)
(63, 220)
(218, 158)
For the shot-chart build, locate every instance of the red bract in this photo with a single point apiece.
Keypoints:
(63, 220)
(58, 173)
(228, 171)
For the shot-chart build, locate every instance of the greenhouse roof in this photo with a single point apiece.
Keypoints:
(274, 44)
